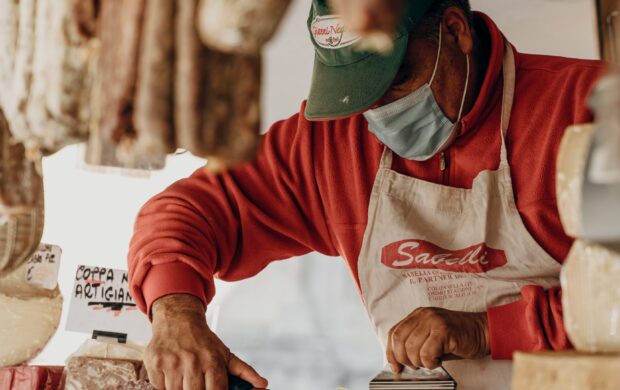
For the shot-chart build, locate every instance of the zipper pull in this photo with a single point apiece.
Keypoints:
(442, 162)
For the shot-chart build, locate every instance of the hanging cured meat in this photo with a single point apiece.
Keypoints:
(217, 113)
(119, 29)
(21, 203)
(154, 97)
(239, 26)
(134, 77)
(46, 74)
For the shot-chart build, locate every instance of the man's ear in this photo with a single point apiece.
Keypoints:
(459, 30)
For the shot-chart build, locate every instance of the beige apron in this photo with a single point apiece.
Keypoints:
(429, 245)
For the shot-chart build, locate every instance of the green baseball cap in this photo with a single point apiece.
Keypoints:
(346, 80)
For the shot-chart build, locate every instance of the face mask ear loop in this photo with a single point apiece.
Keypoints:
(438, 54)
(464, 92)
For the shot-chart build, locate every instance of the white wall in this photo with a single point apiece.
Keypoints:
(558, 27)
(313, 331)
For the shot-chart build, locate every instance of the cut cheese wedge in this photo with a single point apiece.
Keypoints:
(26, 326)
(591, 298)
(565, 371)
(570, 175)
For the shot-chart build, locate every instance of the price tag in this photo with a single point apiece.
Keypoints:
(42, 267)
(101, 301)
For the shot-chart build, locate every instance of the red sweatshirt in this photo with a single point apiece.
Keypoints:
(309, 189)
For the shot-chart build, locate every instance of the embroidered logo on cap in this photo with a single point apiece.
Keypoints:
(329, 32)
(410, 254)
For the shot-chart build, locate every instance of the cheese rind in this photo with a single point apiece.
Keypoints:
(27, 326)
(565, 371)
(570, 176)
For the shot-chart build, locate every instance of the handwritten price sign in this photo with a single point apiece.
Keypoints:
(101, 301)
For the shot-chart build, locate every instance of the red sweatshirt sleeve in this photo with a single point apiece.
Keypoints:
(535, 322)
(230, 225)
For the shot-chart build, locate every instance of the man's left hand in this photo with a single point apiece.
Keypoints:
(429, 335)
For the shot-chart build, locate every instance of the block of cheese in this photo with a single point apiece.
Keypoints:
(84, 373)
(26, 327)
(565, 371)
(239, 26)
(591, 297)
(570, 176)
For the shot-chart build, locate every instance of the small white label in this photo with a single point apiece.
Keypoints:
(330, 32)
(101, 301)
(42, 267)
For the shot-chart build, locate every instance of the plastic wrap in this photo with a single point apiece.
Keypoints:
(30, 378)
(591, 297)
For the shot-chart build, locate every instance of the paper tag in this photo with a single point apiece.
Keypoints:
(42, 267)
(101, 301)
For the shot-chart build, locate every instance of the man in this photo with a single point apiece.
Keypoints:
(431, 171)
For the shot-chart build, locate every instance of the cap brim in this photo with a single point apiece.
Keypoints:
(341, 91)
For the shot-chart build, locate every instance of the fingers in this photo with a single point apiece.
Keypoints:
(413, 345)
(173, 381)
(216, 379)
(432, 350)
(241, 369)
(156, 377)
(193, 380)
(396, 350)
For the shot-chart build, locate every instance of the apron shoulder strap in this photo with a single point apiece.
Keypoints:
(386, 158)
(509, 72)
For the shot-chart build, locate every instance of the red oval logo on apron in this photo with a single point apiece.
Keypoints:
(411, 254)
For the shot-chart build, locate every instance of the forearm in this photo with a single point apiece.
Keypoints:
(174, 306)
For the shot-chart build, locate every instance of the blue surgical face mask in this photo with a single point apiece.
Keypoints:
(415, 127)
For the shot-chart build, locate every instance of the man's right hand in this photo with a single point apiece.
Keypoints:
(184, 354)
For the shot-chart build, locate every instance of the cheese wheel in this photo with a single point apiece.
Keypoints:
(565, 371)
(591, 298)
(570, 175)
(26, 327)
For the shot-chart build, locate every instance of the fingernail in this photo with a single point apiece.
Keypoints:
(395, 368)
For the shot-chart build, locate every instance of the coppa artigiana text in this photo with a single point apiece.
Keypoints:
(101, 284)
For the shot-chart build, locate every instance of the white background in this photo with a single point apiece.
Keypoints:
(300, 321)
